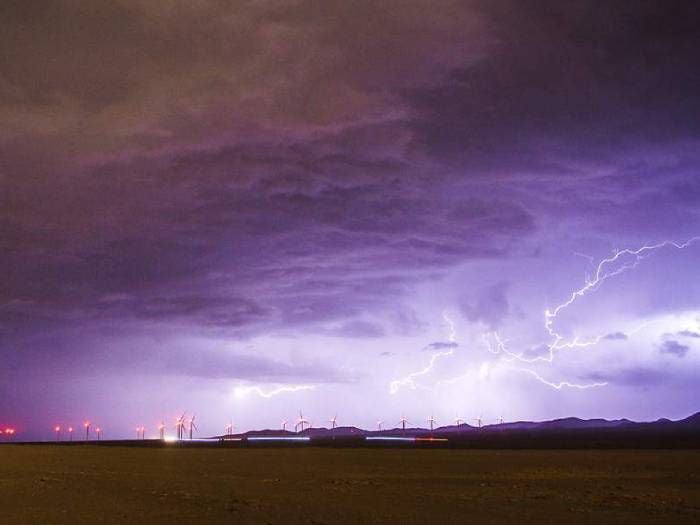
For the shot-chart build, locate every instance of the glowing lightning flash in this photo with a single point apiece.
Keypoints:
(561, 384)
(242, 391)
(409, 380)
(620, 262)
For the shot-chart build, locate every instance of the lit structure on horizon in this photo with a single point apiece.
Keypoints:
(180, 426)
(192, 426)
(299, 427)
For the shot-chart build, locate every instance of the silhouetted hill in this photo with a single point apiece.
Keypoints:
(570, 432)
(691, 421)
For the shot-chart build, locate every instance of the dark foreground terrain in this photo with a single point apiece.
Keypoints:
(87, 484)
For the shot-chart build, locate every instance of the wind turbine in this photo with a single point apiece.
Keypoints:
(70, 433)
(180, 425)
(98, 430)
(403, 422)
(161, 431)
(500, 420)
(379, 425)
(332, 421)
(58, 433)
(431, 421)
(284, 425)
(301, 422)
(478, 421)
(192, 425)
(87, 430)
(459, 421)
(228, 430)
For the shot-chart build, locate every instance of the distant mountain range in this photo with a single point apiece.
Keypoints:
(455, 431)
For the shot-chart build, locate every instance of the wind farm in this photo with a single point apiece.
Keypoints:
(565, 433)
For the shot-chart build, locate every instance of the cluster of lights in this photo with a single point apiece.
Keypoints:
(58, 430)
(409, 439)
(9, 432)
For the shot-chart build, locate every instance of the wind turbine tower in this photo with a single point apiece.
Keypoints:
(180, 426)
(87, 430)
(431, 421)
(301, 422)
(403, 422)
(161, 431)
(333, 421)
(192, 426)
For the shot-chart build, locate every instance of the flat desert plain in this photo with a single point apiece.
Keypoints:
(47, 484)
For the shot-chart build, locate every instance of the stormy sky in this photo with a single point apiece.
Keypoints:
(243, 209)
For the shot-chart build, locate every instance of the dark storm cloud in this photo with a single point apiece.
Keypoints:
(616, 336)
(674, 348)
(593, 74)
(356, 330)
(441, 345)
(489, 305)
(266, 166)
(636, 377)
(101, 351)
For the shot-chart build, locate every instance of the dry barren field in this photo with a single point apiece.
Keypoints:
(87, 484)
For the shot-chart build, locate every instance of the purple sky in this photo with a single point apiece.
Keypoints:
(241, 209)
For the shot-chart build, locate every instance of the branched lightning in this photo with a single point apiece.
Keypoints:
(409, 380)
(620, 262)
(560, 384)
(242, 391)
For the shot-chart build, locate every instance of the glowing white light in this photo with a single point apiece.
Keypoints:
(242, 391)
(606, 268)
(280, 438)
(388, 438)
(409, 380)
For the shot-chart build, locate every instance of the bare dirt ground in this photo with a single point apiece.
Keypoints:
(88, 484)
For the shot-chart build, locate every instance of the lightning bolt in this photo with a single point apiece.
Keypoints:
(409, 380)
(561, 384)
(243, 391)
(621, 261)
